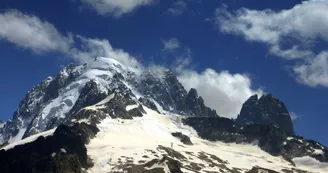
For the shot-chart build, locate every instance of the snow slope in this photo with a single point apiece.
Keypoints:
(131, 140)
(29, 139)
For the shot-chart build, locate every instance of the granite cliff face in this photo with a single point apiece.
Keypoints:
(266, 110)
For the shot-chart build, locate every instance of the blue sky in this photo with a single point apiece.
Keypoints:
(226, 49)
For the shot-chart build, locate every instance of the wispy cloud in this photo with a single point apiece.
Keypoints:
(293, 116)
(171, 44)
(178, 7)
(287, 33)
(91, 48)
(314, 72)
(115, 8)
(30, 32)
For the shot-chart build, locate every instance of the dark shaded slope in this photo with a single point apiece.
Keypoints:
(64, 152)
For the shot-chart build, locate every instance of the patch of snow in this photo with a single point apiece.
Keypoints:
(317, 152)
(29, 139)
(83, 121)
(101, 104)
(290, 138)
(130, 107)
(53, 154)
(106, 100)
(63, 150)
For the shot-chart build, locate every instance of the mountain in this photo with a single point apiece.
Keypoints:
(266, 110)
(104, 117)
(56, 99)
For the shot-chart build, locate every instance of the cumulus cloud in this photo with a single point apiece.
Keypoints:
(178, 7)
(116, 8)
(30, 32)
(222, 91)
(304, 21)
(171, 44)
(291, 29)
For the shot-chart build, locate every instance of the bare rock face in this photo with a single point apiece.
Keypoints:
(63, 152)
(171, 95)
(196, 106)
(266, 110)
(183, 138)
(270, 138)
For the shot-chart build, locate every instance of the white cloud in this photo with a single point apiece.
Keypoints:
(178, 7)
(171, 44)
(293, 116)
(116, 8)
(304, 21)
(314, 72)
(223, 91)
(28, 31)
(293, 53)
(296, 27)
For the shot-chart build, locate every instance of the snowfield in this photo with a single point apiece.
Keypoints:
(137, 141)
(29, 139)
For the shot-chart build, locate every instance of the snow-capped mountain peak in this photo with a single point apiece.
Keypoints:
(55, 99)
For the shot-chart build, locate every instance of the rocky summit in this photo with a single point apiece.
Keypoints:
(103, 117)
(266, 110)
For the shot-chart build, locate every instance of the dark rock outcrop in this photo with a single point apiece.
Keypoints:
(62, 79)
(173, 165)
(149, 103)
(172, 96)
(297, 146)
(215, 128)
(266, 110)
(270, 138)
(114, 108)
(183, 138)
(64, 152)
(259, 170)
(196, 105)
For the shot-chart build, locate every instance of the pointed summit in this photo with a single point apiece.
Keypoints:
(266, 110)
